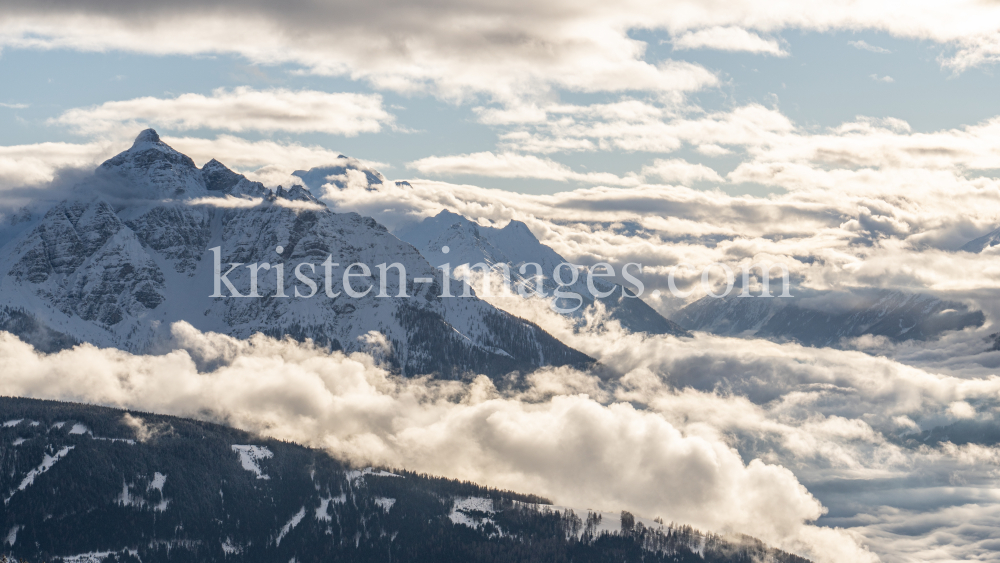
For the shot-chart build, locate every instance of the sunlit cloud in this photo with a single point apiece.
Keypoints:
(238, 110)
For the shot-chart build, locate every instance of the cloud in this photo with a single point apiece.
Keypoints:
(579, 450)
(975, 51)
(680, 171)
(37, 164)
(887, 79)
(729, 39)
(238, 110)
(453, 51)
(508, 51)
(726, 434)
(230, 202)
(511, 165)
(14, 106)
(639, 125)
(865, 46)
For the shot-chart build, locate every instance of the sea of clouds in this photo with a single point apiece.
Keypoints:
(800, 447)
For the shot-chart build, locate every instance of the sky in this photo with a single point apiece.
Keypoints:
(857, 143)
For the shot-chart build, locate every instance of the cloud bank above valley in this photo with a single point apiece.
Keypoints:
(719, 433)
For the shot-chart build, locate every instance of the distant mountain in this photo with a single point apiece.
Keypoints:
(86, 484)
(346, 172)
(982, 243)
(515, 245)
(130, 253)
(824, 318)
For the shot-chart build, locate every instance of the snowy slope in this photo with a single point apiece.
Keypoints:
(515, 245)
(129, 254)
(982, 243)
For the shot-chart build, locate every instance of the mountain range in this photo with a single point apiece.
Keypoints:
(129, 253)
(514, 245)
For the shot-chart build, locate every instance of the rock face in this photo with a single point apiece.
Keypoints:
(515, 245)
(825, 319)
(130, 254)
(81, 483)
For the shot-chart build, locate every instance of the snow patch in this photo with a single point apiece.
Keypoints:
(19, 441)
(460, 518)
(12, 423)
(461, 506)
(324, 503)
(159, 479)
(91, 557)
(12, 536)
(126, 498)
(47, 462)
(128, 441)
(385, 503)
(79, 429)
(230, 548)
(291, 524)
(474, 503)
(250, 455)
(355, 475)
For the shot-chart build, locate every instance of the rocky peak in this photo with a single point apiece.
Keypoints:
(148, 146)
(296, 193)
(219, 178)
(147, 136)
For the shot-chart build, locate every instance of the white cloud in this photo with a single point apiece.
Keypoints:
(240, 109)
(509, 51)
(14, 106)
(37, 164)
(635, 125)
(865, 46)
(675, 436)
(575, 448)
(506, 51)
(511, 165)
(887, 79)
(729, 39)
(680, 171)
(975, 51)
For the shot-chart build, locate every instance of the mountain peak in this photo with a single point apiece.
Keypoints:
(147, 136)
(149, 140)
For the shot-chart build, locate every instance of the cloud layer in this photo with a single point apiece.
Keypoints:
(237, 110)
(508, 50)
(725, 434)
(581, 450)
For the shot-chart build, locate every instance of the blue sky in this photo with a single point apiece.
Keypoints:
(824, 81)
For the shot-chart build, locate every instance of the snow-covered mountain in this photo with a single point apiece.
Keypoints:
(825, 318)
(515, 245)
(982, 243)
(342, 174)
(129, 254)
(87, 484)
